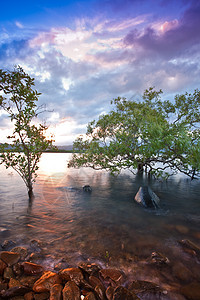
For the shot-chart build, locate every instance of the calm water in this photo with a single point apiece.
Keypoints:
(106, 225)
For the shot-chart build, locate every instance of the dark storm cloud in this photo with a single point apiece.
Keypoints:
(174, 42)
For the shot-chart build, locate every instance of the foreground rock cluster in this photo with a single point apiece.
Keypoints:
(22, 279)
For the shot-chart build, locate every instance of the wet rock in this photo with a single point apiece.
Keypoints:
(71, 291)
(22, 251)
(15, 291)
(17, 269)
(42, 296)
(159, 259)
(73, 274)
(90, 296)
(13, 282)
(181, 272)
(35, 257)
(7, 244)
(91, 269)
(56, 292)
(61, 265)
(31, 268)
(146, 289)
(3, 265)
(8, 273)
(46, 281)
(147, 198)
(94, 281)
(100, 291)
(29, 296)
(36, 245)
(9, 258)
(121, 293)
(28, 280)
(190, 247)
(114, 275)
(110, 292)
(87, 188)
(182, 229)
(3, 286)
(191, 291)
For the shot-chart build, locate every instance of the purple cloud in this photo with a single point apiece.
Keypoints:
(173, 42)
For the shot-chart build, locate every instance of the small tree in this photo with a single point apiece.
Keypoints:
(151, 134)
(19, 99)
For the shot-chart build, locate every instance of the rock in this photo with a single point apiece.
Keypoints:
(15, 291)
(115, 275)
(9, 258)
(8, 273)
(147, 198)
(17, 269)
(73, 274)
(100, 291)
(56, 292)
(158, 258)
(71, 291)
(190, 247)
(7, 244)
(87, 188)
(146, 289)
(13, 282)
(110, 292)
(191, 291)
(90, 296)
(28, 280)
(94, 281)
(182, 229)
(46, 281)
(121, 293)
(181, 272)
(22, 251)
(3, 286)
(42, 296)
(61, 265)
(31, 268)
(29, 296)
(36, 245)
(3, 265)
(91, 269)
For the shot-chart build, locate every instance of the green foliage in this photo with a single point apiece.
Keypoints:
(157, 135)
(18, 99)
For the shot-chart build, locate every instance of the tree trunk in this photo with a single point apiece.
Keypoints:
(140, 168)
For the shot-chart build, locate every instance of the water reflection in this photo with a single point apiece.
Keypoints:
(78, 225)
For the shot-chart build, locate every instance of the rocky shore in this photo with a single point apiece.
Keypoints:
(23, 276)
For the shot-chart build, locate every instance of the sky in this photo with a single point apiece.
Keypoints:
(85, 53)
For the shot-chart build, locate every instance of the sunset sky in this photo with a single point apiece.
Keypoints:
(85, 53)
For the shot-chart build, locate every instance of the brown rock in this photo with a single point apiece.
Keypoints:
(121, 293)
(42, 296)
(181, 272)
(22, 251)
(9, 258)
(45, 282)
(94, 281)
(3, 286)
(90, 296)
(28, 280)
(8, 273)
(15, 291)
(13, 282)
(145, 289)
(56, 292)
(71, 291)
(3, 265)
(100, 292)
(110, 292)
(191, 291)
(190, 247)
(73, 274)
(31, 268)
(17, 269)
(113, 274)
(91, 269)
(29, 296)
(158, 258)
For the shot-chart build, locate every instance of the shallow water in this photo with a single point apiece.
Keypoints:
(105, 225)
